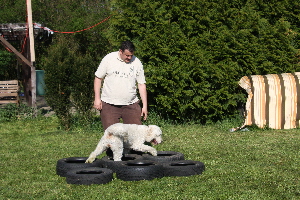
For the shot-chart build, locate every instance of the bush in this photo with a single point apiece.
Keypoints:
(12, 112)
(195, 52)
(69, 76)
(58, 71)
(82, 87)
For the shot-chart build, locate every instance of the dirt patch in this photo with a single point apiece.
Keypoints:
(45, 109)
(40, 101)
(41, 104)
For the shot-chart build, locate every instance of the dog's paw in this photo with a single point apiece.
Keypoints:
(153, 153)
(90, 160)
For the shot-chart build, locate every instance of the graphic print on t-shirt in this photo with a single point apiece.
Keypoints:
(124, 74)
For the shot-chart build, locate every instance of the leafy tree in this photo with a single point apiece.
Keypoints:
(10, 12)
(7, 68)
(79, 19)
(13, 11)
(72, 58)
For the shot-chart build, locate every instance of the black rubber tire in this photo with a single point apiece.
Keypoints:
(139, 170)
(136, 152)
(88, 176)
(66, 164)
(183, 168)
(109, 163)
(110, 154)
(164, 156)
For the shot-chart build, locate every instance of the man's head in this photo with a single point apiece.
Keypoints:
(126, 51)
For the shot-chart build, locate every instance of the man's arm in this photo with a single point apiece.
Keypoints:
(97, 87)
(143, 94)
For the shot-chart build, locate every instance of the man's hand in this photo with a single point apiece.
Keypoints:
(143, 94)
(97, 86)
(144, 113)
(98, 104)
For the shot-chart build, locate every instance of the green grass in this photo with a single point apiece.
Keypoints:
(258, 164)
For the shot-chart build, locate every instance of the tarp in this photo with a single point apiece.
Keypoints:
(273, 100)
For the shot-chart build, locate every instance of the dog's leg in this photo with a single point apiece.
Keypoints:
(126, 150)
(117, 149)
(101, 147)
(145, 148)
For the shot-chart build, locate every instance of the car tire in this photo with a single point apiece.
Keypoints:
(183, 168)
(109, 163)
(139, 170)
(88, 176)
(66, 164)
(164, 156)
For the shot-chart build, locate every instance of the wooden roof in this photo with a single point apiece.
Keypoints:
(17, 31)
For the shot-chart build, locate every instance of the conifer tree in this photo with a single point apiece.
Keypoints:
(194, 52)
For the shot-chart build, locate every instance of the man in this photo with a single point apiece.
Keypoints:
(120, 72)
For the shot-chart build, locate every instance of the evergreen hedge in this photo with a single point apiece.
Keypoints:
(195, 52)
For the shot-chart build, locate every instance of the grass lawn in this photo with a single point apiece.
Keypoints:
(257, 164)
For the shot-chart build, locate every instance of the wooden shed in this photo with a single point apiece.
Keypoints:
(20, 32)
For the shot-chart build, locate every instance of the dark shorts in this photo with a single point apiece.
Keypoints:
(111, 114)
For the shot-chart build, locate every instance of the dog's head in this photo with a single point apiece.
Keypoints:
(154, 135)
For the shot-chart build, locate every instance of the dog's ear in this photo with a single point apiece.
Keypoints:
(149, 130)
(148, 134)
(155, 129)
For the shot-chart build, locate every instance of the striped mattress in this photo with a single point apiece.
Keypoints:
(273, 100)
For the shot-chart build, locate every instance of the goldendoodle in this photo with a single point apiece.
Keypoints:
(119, 137)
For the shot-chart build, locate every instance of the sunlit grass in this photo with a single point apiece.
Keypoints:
(257, 164)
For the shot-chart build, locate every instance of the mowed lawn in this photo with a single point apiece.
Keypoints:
(257, 164)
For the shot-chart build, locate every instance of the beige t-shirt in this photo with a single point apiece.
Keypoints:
(120, 78)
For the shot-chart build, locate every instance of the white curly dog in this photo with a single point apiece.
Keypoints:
(119, 137)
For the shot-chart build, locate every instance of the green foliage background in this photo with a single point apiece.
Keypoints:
(7, 65)
(194, 52)
(70, 59)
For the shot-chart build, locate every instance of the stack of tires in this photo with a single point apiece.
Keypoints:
(133, 167)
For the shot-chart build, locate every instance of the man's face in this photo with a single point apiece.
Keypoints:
(126, 55)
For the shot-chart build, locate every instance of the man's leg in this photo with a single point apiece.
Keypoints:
(131, 114)
(110, 114)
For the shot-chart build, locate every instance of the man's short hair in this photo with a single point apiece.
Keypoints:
(127, 45)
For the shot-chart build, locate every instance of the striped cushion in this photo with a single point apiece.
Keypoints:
(273, 100)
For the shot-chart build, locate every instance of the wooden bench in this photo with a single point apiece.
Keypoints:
(9, 92)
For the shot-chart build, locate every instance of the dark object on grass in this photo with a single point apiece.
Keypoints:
(139, 170)
(183, 168)
(88, 176)
(164, 156)
(66, 164)
(109, 153)
(109, 163)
